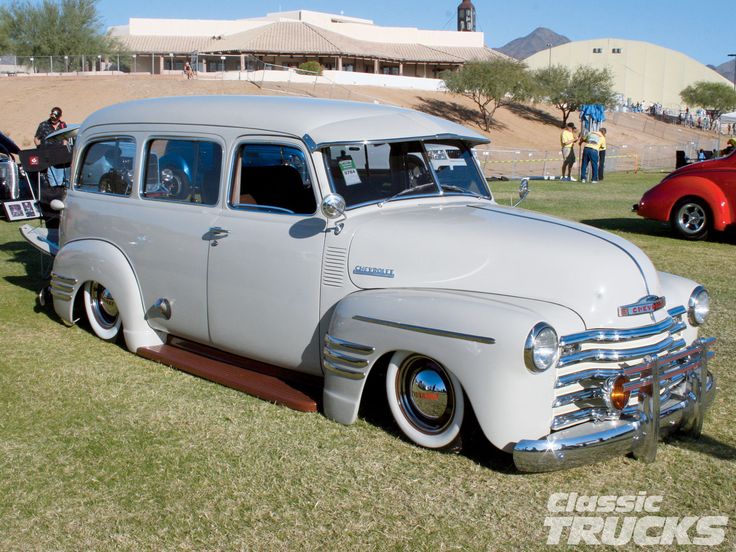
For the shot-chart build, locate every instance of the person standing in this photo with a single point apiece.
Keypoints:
(55, 177)
(567, 141)
(601, 153)
(590, 142)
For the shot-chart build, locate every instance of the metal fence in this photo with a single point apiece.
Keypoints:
(518, 163)
(83, 63)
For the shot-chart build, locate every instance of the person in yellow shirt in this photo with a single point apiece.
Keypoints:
(567, 141)
(591, 142)
(601, 153)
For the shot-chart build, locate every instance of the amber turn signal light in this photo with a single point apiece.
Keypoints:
(618, 395)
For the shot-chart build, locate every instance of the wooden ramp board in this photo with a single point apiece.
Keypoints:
(235, 372)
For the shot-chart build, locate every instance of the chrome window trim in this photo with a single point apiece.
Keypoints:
(427, 330)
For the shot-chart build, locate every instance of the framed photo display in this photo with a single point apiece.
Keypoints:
(21, 210)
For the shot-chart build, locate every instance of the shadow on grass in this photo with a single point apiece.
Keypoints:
(705, 445)
(531, 113)
(453, 111)
(34, 262)
(633, 225)
(654, 228)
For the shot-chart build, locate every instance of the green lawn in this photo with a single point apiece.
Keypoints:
(100, 449)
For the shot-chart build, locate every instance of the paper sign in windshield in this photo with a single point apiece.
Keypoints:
(349, 173)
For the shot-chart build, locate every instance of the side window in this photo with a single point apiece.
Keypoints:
(183, 170)
(273, 178)
(107, 167)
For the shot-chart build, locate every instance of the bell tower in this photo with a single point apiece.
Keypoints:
(466, 16)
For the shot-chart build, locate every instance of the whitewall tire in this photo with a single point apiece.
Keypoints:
(426, 400)
(102, 312)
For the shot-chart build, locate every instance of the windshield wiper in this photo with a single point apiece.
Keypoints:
(406, 191)
(451, 188)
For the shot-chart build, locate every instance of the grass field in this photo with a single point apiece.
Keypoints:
(103, 450)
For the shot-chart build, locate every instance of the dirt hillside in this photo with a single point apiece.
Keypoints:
(27, 100)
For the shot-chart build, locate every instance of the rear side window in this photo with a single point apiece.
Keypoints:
(182, 170)
(107, 167)
(274, 179)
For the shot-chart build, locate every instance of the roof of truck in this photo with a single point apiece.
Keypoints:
(317, 121)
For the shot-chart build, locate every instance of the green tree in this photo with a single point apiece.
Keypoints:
(568, 90)
(490, 84)
(715, 97)
(51, 27)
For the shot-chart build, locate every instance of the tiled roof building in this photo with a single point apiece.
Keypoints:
(290, 38)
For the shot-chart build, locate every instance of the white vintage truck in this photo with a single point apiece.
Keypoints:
(262, 242)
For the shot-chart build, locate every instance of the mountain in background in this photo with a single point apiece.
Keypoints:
(725, 69)
(536, 41)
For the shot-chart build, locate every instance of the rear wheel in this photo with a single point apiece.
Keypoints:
(691, 219)
(102, 311)
(427, 401)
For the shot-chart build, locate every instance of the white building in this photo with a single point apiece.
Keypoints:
(290, 38)
(642, 72)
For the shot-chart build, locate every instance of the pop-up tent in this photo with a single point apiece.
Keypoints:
(728, 118)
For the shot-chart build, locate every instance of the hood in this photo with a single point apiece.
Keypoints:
(492, 249)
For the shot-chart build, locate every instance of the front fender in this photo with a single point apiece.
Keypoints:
(82, 261)
(478, 337)
(659, 202)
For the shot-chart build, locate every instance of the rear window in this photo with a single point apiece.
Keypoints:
(183, 170)
(107, 167)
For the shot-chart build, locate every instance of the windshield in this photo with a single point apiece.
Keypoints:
(376, 172)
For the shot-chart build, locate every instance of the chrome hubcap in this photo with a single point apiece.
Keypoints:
(425, 394)
(691, 218)
(103, 305)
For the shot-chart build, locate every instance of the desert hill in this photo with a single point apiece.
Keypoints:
(28, 100)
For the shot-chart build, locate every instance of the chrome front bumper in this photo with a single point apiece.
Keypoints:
(638, 431)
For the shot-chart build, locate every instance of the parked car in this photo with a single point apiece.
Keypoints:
(327, 242)
(695, 199)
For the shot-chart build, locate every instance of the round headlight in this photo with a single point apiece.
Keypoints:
(542, 348)
(698, 306)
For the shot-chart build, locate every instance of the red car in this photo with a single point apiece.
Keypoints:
(695, 199)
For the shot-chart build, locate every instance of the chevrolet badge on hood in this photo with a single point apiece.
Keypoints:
(650, 303)
(374, 271)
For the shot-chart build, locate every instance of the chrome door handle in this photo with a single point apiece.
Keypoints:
(216, 233)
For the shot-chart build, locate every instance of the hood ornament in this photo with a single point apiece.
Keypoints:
(645, 305)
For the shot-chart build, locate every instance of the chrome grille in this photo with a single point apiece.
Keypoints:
(592, 358)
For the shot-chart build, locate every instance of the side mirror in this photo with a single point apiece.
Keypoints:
(333, 207)
(57, 205)
(523, 191)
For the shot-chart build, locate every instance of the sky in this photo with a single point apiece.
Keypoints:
(705, 34)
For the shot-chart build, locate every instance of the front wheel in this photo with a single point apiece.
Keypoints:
(102, 312)
(691, 219)
(426, 401)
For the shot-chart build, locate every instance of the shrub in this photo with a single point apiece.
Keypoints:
(311, 67)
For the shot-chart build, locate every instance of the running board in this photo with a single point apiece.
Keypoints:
(254, 378)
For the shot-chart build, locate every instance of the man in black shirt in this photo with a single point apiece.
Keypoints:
(52, 124)
(55, 177)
